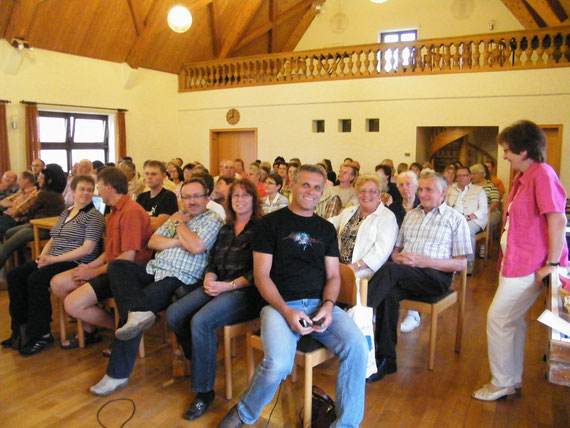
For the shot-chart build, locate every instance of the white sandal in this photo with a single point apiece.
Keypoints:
(486, 394)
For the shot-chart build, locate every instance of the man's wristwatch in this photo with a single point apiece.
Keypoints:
(234, 285)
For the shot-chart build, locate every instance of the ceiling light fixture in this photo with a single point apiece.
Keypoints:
(179, 19)
(378, 1)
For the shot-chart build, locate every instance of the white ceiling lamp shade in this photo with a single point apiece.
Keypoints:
(378, 1)
(179, 19)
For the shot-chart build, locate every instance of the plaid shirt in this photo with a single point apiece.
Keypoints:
(22, 201)
(442, 233)
(176, 261)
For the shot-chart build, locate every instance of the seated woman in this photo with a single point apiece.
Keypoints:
(366, 232)
(227, 297)
(274, 200)
(286, 189)
(176, 175)
(75, 238)
(480, 177)
(48, 203)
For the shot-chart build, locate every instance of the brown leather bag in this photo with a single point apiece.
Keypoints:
(323, 409)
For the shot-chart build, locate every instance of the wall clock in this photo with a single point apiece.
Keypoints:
(232, 116)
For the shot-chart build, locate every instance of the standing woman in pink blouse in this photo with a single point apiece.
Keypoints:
(532, 246)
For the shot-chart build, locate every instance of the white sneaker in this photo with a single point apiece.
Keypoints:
(411, 322)
(108, 385)
(136, 323)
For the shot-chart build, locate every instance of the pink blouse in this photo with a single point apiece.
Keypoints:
(533, 194)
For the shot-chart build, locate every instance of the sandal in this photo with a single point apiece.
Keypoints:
(90, 338)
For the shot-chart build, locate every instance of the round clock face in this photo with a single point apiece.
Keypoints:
(232, 116)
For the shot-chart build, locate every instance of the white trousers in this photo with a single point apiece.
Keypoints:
(506, 327)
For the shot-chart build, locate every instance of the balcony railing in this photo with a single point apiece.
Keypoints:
(520, 50)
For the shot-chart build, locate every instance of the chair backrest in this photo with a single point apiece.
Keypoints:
(348, 287)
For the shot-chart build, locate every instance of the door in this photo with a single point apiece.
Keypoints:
(232, 144)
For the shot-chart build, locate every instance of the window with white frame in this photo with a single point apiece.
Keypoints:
(392, 55)
(66, 138)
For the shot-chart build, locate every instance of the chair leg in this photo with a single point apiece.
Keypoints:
(308, 391)
(234, 347)
(228, 362)
(249, 356)
(432, 339)
(142, 352)
(80, 333)
(62, 331)
(294, 373)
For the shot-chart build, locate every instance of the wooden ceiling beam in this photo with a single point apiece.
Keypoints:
(136, 15)
(299, 30)
(245, 14)
(21, 19)
(521, 12)
(545, 11)
(272, 19)
(283, 16)
(213, 33)
(565, 5)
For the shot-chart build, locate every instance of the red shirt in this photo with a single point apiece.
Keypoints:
(533, 194)
(128, 228)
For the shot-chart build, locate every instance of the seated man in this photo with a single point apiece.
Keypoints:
(296, 269)
(17, 205)
(9, 184)
(433, 243)
(345, 189)
(182, 245)
(136, 186)
(158, 202)
(127, 233)
(470, 200)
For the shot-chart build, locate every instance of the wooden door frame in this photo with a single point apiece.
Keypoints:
(214, 154)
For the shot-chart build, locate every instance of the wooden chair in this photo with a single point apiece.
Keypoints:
(435, 306)
(484, 236)
(109, 303)
(311, 353)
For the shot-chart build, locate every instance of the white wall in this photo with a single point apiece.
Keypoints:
(283, 114)
(432, 18)
(52, 77)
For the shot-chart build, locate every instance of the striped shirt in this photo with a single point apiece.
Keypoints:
(441, 233)
(87, 225)
(176, 261)
(492, 192)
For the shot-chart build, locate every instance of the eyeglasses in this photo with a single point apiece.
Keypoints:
(243, 196)
(192, 197)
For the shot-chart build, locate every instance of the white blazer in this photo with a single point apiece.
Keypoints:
(375, 239)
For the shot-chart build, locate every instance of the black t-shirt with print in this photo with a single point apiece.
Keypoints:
(163, 203)
(299, 246)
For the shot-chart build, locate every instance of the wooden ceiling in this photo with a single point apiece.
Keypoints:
(136, 32)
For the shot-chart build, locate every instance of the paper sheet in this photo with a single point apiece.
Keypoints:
(554, 322)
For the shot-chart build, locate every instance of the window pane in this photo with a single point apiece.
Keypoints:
(390, 38)
(55, 156)
(92, 155)
(52, 129)
(89, 131)
(406, 37)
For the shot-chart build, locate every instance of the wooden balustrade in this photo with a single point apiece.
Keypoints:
(529, 49)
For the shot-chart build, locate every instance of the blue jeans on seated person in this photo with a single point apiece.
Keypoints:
(16, 238)
(195, 318)
(342, 337)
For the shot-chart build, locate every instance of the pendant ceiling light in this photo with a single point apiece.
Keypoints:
(378, 1)
(179, 19)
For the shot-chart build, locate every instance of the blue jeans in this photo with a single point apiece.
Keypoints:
(342, 337)
(195, 318)
(17, 237)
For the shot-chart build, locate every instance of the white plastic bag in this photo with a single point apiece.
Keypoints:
(362, 316)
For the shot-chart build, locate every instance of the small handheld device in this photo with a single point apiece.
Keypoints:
(304, 323)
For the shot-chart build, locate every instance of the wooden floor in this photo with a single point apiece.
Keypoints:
(51, 389)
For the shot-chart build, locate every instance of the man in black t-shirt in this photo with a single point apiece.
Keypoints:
(158, 202)
(296, 269)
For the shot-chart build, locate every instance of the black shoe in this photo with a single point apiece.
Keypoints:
(385, 366)
(232, 419)
(34, 347)
(14, 342)
(197, 408)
